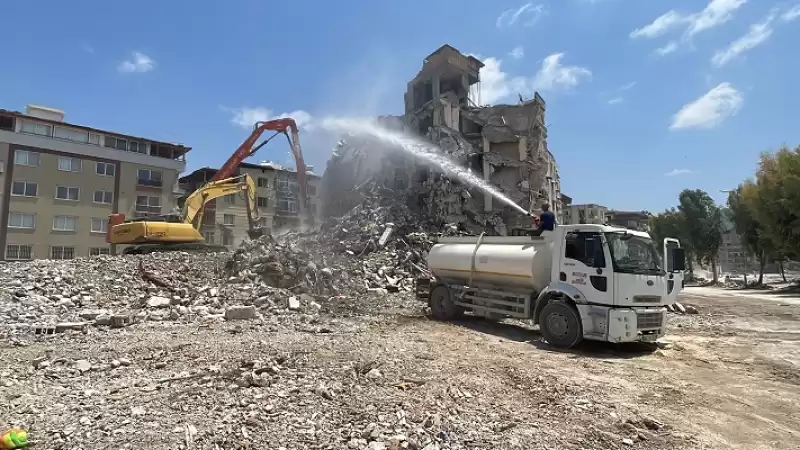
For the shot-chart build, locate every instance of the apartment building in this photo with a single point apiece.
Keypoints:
(634, 220)
(60, 181)
(589, 213)
(225, 220)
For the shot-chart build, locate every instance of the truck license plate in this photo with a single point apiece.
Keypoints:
(649, 337)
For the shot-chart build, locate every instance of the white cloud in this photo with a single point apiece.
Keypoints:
(716, 13)
(677, 172)
(616, 100)
(710, 110)
(528, 14)
(627, 86)
(671, 47)
(756, 35)
(661, 25)
(246, 117)
(792, 14)
(555, 76)
(139, 62)
(494, 82)
(517, 53)
(552, 76)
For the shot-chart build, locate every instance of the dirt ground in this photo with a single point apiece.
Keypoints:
(390, 378)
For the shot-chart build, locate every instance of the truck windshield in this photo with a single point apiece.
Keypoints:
(633, 254)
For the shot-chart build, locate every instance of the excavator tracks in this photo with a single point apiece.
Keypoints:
(193, 247)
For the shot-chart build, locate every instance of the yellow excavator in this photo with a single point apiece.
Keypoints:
(181, 232)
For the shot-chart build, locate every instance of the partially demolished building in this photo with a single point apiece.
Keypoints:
(506, 145)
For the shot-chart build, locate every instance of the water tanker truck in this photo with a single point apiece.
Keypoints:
(577, 282)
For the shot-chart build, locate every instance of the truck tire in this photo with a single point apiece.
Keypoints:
(441, 303)
(560, 325)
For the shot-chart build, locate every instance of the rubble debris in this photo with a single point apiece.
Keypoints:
(680, 308)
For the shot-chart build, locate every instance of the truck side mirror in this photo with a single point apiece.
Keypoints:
(678, 256)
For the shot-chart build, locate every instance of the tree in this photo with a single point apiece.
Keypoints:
(670, 223)
(741, 203)
(702, 224)
(775, 201)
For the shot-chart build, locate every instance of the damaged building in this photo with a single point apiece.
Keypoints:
(505, 145)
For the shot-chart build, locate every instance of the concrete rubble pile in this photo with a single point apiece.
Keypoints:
(378, 247)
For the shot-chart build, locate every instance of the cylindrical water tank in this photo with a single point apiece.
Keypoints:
(516, 262)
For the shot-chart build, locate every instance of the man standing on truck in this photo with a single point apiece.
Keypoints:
(547, 220)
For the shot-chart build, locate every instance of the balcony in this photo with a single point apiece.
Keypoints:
(149, 182)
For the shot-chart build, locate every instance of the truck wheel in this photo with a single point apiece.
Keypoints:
(441, 303)
(560, 324)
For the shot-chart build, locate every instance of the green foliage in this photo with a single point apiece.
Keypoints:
(774, 198)
(702, 224)
(744, 218)
(765, 212)
(670, 223)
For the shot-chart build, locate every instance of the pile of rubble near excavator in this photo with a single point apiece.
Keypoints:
(377, 248)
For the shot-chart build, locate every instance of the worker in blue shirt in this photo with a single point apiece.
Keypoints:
(547, 220)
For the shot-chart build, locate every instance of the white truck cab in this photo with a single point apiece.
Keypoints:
(577, 282)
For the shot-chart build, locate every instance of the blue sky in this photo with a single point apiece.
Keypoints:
(644, 98)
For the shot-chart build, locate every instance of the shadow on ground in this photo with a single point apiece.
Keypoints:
(519, 332)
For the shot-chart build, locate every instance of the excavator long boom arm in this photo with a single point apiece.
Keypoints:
(288, 127)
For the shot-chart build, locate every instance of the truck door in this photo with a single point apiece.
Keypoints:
(674, 270)
(585, 266)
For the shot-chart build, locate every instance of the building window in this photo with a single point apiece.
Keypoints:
(19, 252)
(37, 128)
(117, 143)
(21, 220)
(147, 177)
(71, 135)
(104, 197)
(26, 158)
(24, 189)
(209, 237)
(148, 204)
(227, 239)
(94, 139)
(137, 147)
(98, 251)
(105, 169)
(65, 223)
(312, 190)
(228, 219)
(99, 225)
(263, 182)
(69, 164)
(68, 193)
(285, 184)
(230, 199)
(62, 252)
(6, 123)
(287, 205)
(263, 202)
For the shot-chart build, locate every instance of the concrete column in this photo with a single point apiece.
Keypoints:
(487, 199)
(435, 81)
(465, 84)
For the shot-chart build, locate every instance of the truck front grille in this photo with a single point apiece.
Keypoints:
(648, 320)
(656, 299)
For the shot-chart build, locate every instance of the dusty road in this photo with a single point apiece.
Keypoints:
(390, 378)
